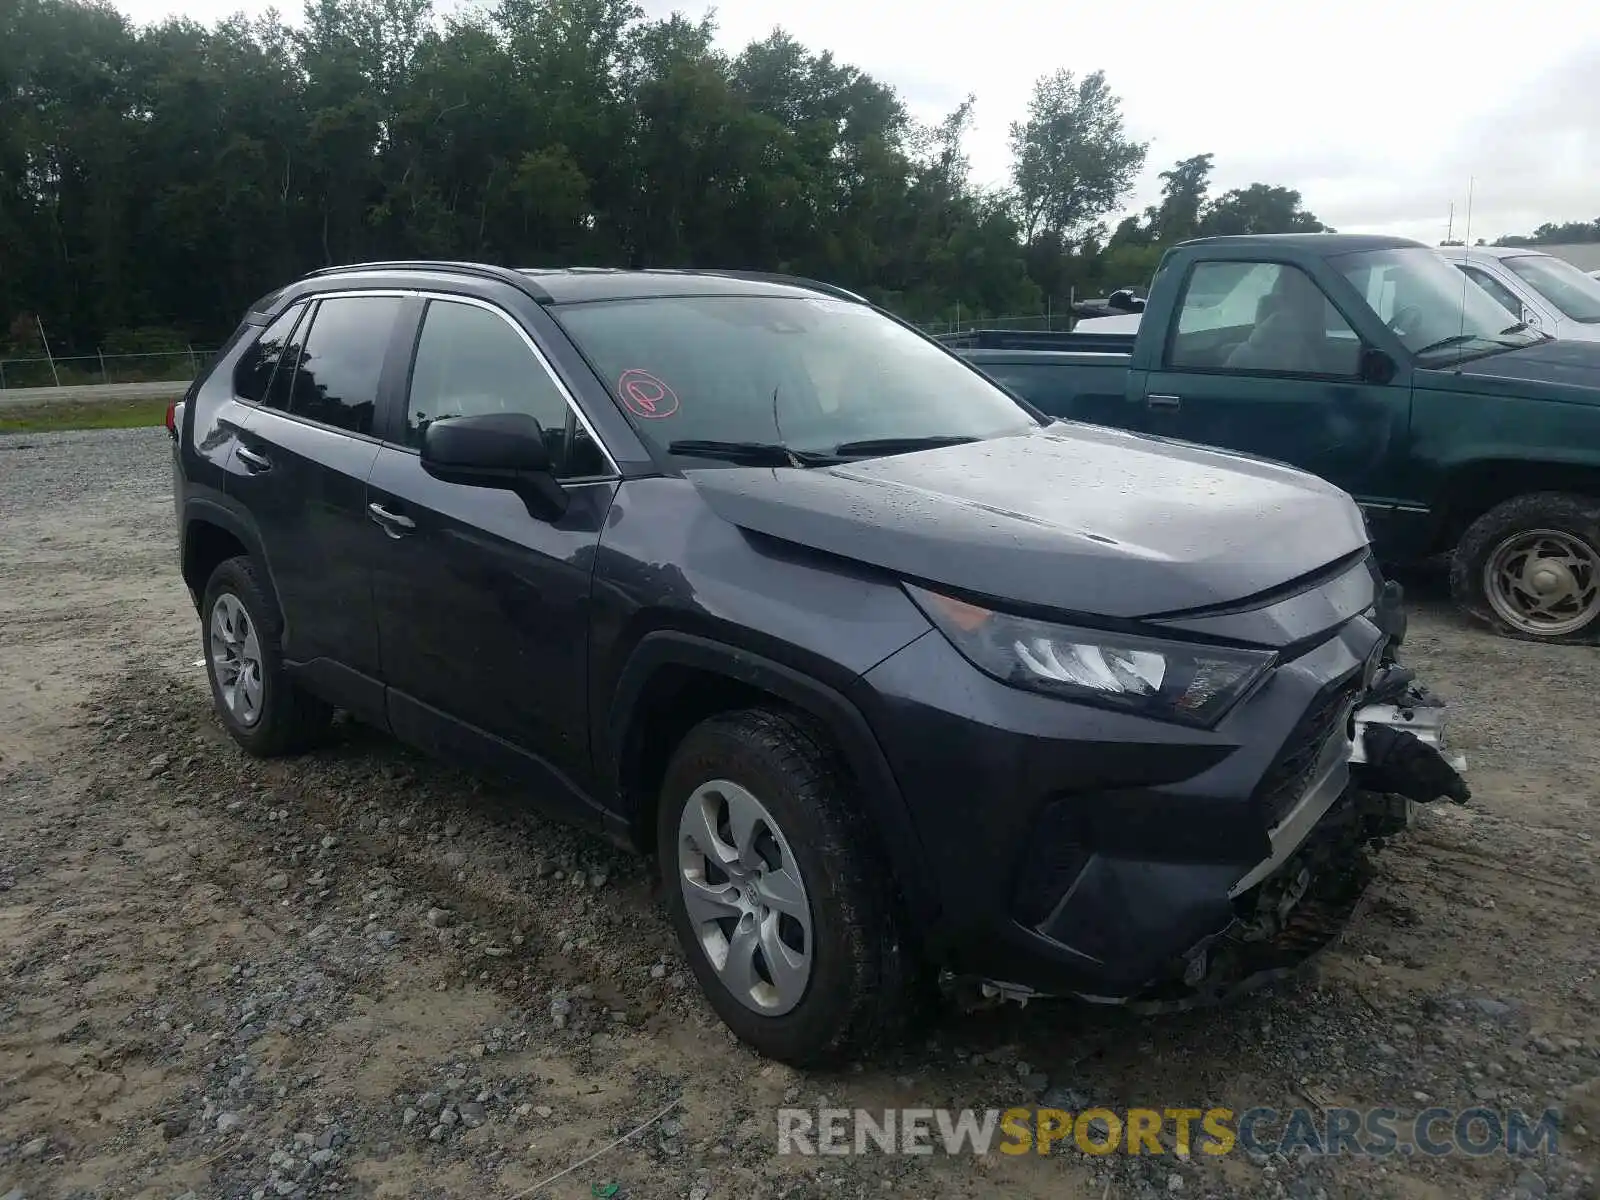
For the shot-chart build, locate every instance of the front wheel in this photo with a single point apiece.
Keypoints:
(1531, 568)
(773, 887)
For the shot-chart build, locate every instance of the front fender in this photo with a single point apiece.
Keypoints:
(879, 792)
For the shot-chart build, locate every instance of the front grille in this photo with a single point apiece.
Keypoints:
(1291, 772)
(1057, 852)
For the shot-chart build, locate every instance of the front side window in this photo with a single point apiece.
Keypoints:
(336, 379)
(813, 374)
(1575, 294)
(471, 361)
(1503, 295)
(1224, 295)
(1435, 313)
(252, 377)
(1266, 317)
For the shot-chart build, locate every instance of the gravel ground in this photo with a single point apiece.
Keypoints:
(360, 973)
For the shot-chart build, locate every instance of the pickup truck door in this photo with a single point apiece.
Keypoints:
(1260, 360)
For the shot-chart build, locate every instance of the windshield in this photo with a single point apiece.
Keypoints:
(1436, 310)
(1577, 295)
(811, 373)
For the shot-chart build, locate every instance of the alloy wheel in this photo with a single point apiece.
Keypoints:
(745, 898)
(236, 659)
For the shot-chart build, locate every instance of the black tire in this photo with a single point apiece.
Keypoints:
(289, 720)
(1575, 517)
(863, 988)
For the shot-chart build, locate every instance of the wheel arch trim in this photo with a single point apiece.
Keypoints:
(880, 796)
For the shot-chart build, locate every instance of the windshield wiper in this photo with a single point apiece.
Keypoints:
(1455, 339)
(751, 454)
(874, 447)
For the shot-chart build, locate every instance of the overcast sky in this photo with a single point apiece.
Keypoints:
(1378, 111)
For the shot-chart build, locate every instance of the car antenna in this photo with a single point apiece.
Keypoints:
(1467, 243)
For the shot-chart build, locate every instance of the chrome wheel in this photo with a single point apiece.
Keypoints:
(745, 898)
(1544, 582)
(235, 652)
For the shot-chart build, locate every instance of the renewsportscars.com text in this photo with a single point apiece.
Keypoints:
(1377, 1132)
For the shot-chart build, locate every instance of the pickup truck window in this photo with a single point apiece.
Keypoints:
(1434, 310)
(1577, 295)
(1262, 316)
(1502, 294)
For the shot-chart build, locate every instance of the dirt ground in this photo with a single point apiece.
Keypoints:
(359, 973)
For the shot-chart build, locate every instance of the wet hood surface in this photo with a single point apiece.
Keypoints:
(1076, 518)
(1567, 364)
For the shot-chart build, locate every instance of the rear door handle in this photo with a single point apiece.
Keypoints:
(1162, 400)
(256, 462)
(394, 524)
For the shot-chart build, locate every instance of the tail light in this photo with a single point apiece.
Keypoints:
(172, 419)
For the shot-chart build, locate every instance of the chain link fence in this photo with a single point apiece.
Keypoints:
(1032, 323)
(171, 366)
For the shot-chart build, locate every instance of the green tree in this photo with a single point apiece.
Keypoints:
(1183, 196)
(1072, 158)
(1556, 234)
(1259, 208)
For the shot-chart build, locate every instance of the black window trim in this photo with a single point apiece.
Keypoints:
(1167, 366)
(575, 414)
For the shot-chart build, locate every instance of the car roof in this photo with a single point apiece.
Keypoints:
(550, 285)
(1322, 243)
(1454, 252)
(569, 285)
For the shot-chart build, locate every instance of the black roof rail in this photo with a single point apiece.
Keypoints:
(516, 279)
(815, 285)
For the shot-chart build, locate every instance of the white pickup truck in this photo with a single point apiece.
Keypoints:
(1546, 292)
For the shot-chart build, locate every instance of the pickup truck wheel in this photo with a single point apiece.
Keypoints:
(261, 707)
(1531, 567)
(787, 917)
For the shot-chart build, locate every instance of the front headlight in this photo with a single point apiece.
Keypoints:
(1171, 681)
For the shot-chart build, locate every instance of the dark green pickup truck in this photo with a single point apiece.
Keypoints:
(1374, 363)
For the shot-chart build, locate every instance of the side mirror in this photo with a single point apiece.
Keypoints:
(1376, 366)
(495, 450)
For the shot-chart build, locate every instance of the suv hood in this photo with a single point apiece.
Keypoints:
(1570, 367)
(1075, 518)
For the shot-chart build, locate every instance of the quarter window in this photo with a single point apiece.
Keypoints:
(252, 377)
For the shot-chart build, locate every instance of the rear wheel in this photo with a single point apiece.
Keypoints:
(786, 913)
(264, 710)
(1531, 568)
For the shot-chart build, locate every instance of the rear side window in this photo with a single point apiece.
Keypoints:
(335, 381)
(252, 377)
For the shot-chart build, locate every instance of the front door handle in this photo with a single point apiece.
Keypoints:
(1162, 400)
(256, 462)
(392, 523)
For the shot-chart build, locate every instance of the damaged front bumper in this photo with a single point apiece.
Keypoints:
(1297, 902)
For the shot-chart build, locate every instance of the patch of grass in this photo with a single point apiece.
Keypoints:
(110, 414)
